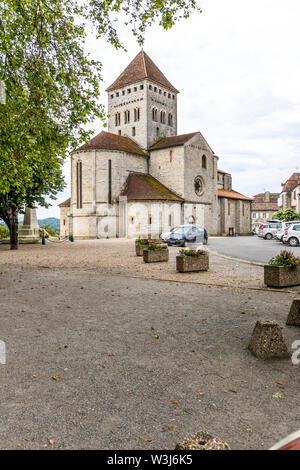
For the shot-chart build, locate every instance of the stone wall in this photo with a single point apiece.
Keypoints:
(237, 216)
(145, 95)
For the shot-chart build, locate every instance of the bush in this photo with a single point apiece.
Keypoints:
(4, 232)
(286, 214)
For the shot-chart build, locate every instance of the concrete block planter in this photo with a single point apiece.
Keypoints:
(281, 276)
(139, 249)
(156, 256)
(185, 264)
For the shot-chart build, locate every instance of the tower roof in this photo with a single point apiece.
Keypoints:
(139, 68)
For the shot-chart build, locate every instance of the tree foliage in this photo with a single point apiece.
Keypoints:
(52, 86)
(286, 215)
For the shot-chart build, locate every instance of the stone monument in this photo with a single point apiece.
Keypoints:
(30, 231)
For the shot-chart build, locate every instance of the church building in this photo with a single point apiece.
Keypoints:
(140, 178)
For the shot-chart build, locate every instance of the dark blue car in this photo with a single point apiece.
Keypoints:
(187, 234)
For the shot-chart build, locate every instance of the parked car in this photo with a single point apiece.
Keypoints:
(166, 235)
(256, 228)
(187, 233)
(285, 226)
(268, 231)
(292, 235)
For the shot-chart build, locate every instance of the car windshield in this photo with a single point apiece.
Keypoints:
(181, 230)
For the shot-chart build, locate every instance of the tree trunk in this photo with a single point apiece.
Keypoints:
(14, 229)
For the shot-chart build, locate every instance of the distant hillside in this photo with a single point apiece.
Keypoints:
(52, 221)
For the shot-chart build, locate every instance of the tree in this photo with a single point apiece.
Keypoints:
(286, 215)
(52, 87)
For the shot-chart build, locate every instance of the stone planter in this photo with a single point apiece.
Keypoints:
(156, 256)
(185, 264)
(139, 249)
(281, 276)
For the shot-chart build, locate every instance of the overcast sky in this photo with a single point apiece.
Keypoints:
(237, 66)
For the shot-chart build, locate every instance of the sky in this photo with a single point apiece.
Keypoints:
(237, 66)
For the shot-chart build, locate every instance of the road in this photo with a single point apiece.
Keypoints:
(250, 248)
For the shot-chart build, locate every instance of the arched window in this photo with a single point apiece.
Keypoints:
(79, 184)
(170, 119)
(117, 119)
(154, 114)
(136, 114)
(126, 117)
(163, 117)
(204, 161)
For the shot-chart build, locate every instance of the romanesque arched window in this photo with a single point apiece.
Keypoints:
(79, 184)
(163, 117)
(154, 114)
(117, 119)
(170, 119)
(126, 117)
(137, 114)
(204, 161)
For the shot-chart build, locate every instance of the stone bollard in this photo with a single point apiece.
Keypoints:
(293, 318)
(202, 440)
(267, 341)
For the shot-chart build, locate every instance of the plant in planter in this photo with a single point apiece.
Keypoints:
(141, 244)
(155, 252)
(283, 270)
(192, 260)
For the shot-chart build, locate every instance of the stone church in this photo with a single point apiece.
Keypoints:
(140, 178)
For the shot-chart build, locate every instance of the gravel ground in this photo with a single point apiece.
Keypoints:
(118, 257)
(99, 359)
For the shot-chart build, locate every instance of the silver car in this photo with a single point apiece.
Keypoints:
(268, 231)
(284, 226)
(292, 235)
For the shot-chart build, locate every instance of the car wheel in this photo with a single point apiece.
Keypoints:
(293, 241)
(269, 236)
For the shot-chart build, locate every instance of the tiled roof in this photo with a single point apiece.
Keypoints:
(143, 186)
(291, 183)
(265, 206)
(66, 203)
(109, 141)
(223, 172)
(166, 142)
(139, 68)
(233, 195)
(260, 203)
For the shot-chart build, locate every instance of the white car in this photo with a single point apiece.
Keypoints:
(166, 235)
(285, 226)
(292, 235)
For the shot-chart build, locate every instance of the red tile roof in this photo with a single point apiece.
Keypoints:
(265, 206)
(166, 142)
(233, 195)
(291, 183)
(109, 141)
(66, 203)
(141, 67)
(260, 204)
(143, 186)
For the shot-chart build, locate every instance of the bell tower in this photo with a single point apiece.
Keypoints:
(142, 103)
